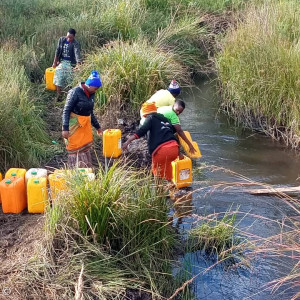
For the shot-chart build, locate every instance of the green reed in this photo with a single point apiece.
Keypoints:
(133, 71)
(259, 70)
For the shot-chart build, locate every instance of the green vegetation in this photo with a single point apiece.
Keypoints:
(214, 236)
(154, 41)
(259, 70)
(23, 138)
(117, 227)
(133, 71)
(112, 235)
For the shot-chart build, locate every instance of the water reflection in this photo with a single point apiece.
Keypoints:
(254, 156)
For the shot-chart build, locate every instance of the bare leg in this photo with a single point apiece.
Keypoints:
(80, 160)
(58, 92)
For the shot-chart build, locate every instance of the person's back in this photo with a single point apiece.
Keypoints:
(162, 98)
(160, 131)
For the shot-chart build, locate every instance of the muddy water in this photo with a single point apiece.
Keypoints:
(258, 158)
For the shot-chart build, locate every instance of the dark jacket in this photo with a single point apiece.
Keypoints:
(79, 103)
(74, 50)
(160, 131)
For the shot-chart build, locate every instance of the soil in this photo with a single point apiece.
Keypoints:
(20, 234)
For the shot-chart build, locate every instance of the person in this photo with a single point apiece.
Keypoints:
(162, 144)
(172, 112)
(78, 119)
(164, 97)
(67, 56)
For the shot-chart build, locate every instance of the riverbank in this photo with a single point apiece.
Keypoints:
(157, 41)
(258, 68)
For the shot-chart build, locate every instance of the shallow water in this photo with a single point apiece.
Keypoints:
(256, 157)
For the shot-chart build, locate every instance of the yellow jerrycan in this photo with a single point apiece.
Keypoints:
(186, 147)
(15, 172)
(49, 76)
(57, 183)
(36, 173)
(182, 175)
(13, 195)
(36, 194)
(112, 143)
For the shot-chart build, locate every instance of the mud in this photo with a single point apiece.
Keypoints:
(20, 234)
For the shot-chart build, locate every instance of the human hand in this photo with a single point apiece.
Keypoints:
(99, 132)
(192, 149)
(65, 134)
(125, 146)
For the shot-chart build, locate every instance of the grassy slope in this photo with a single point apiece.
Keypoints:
(259, 70)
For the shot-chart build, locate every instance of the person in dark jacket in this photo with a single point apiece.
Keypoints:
(162, 144)
(78, 119)
(67, 56)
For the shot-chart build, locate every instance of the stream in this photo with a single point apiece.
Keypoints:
(256, 157)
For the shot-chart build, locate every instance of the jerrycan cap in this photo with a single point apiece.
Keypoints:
(8, 181)
(33, 172)
(36, 181)
(14, 174)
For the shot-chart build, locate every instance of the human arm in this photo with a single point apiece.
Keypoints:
(129, 140)
(55, 62)
(95, 123)
(183, 136)
(70, 104)
(140, 132)
(57, 53)
(77, 53)
(99, 131)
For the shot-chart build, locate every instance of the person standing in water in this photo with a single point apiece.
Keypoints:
(172, 112)
(164, 97)
(162, 144)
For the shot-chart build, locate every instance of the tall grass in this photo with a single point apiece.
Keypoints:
(22, 138)
(259, 70)
(183, 36)
(216, 6)
(117, 227)
(132, 72)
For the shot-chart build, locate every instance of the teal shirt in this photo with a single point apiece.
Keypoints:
(170, 114)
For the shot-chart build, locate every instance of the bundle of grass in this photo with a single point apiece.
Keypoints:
(117, 228)
(214, 236)
(121, 19)
(217, 6)
(132, 72)
(23, 139)
(184, 36)
(259, 70)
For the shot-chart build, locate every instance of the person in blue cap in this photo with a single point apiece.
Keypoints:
(78, 119)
